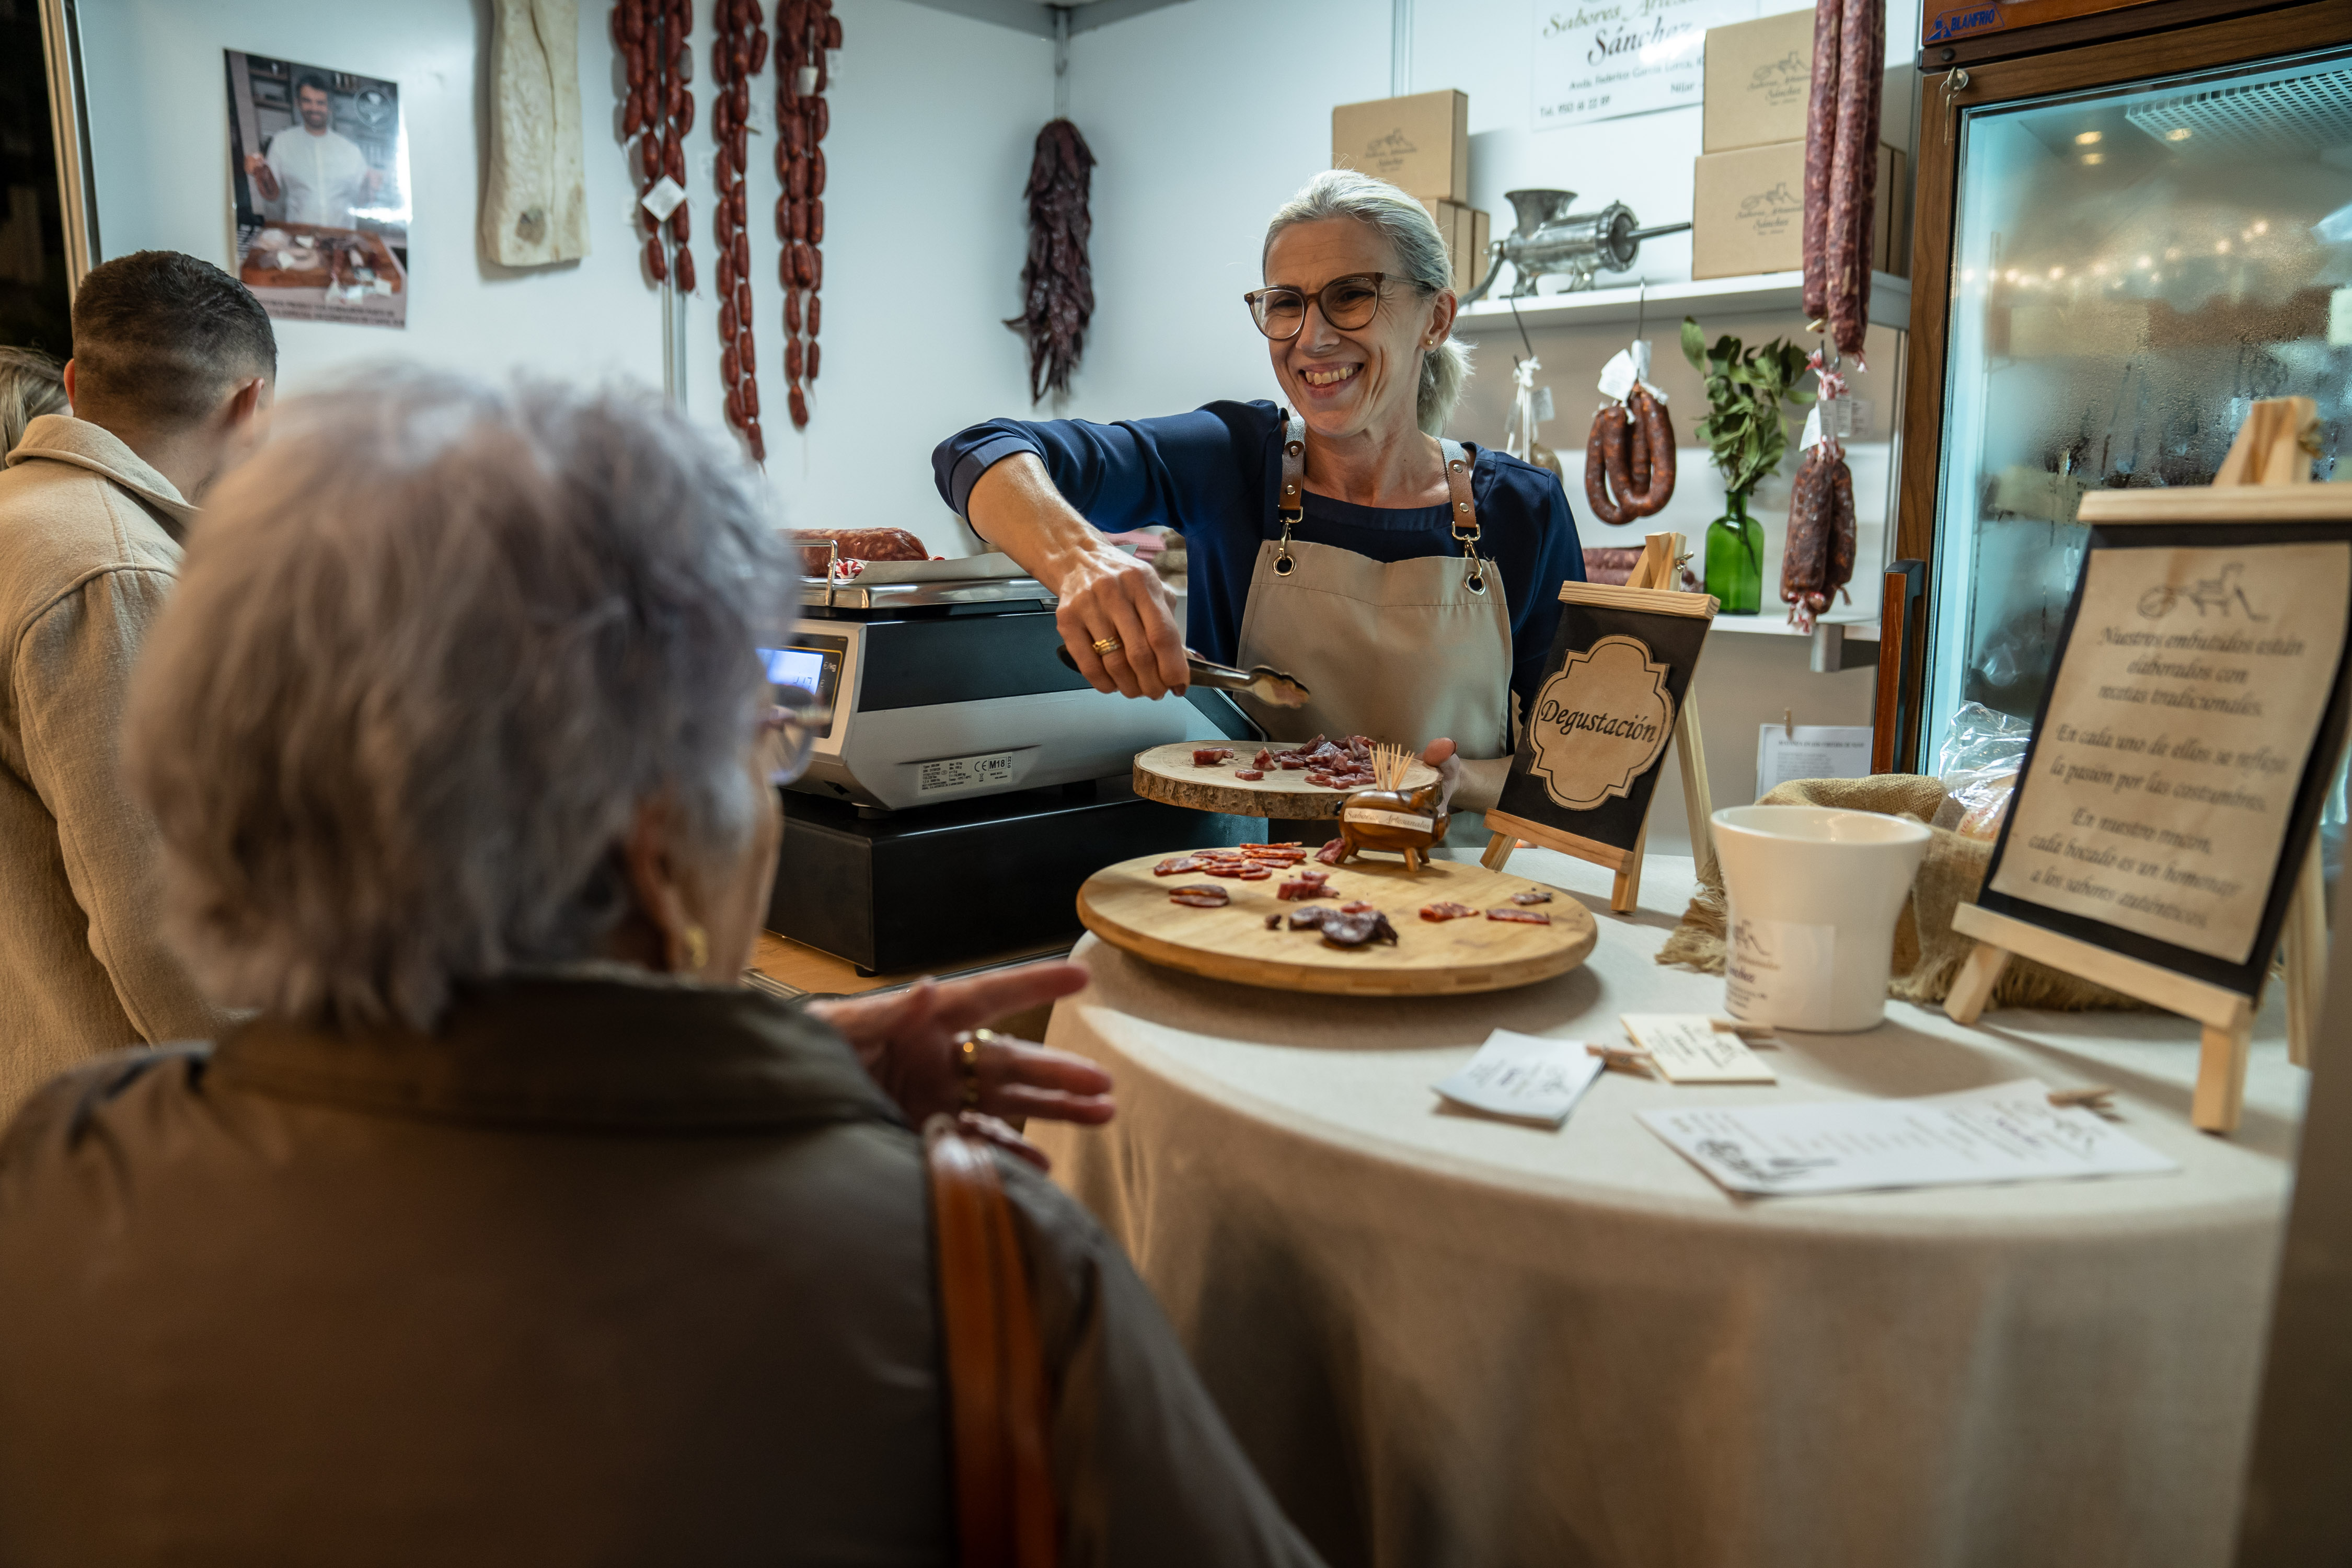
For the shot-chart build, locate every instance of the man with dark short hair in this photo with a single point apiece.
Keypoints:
(312, 173)
(173, 370)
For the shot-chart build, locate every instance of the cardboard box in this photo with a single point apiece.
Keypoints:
(1759, 80)
(1464, 231)
(1747, 211)
(1420, 144)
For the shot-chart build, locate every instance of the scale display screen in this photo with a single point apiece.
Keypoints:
(814, 664)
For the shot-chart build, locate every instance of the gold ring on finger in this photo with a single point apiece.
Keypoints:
(1107, 645)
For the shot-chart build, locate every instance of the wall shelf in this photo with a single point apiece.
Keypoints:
(1762, 293)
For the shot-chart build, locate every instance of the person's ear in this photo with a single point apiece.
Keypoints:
(1442, 309)
(247, 404)
(651, 860)
(70, 380)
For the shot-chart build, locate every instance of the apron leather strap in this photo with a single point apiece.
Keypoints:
(1290, 506)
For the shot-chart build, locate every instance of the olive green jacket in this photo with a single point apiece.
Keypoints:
(89, 546)
(598, 1273)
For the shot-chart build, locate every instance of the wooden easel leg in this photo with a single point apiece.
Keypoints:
(1498, 850)
(1972, 986)
(2306, 958)
(2221, 1096)
(1625, 893)
(1697, 803)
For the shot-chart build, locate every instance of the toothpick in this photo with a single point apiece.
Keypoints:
(2090, 1097)
(1625, 1058)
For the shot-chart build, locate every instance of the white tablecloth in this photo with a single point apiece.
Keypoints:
(1450, 1339)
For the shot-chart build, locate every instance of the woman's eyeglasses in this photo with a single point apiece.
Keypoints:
(789, 734)
(1346, 302)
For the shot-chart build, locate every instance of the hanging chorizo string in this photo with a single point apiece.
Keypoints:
(1058, 285)
(656, 116)
(737, 54)
(805, 29)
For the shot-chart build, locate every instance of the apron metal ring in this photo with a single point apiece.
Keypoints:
(1282, 565)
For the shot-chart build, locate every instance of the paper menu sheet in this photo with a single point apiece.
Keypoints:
(1812, 751)
(1686, 1048)
(2009, 1132)
(1524, 1076)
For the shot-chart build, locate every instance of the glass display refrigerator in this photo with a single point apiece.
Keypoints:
(2122, 241)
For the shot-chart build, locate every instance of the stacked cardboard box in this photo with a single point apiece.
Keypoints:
(1421, 144)
(1748, 197)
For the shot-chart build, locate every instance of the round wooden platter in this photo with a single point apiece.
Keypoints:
(1168, 773)
(1129, 907)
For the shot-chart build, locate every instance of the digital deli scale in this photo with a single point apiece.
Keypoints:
(968, 782)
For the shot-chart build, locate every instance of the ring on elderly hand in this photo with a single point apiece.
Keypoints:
(968, 1063)
(1107, 645)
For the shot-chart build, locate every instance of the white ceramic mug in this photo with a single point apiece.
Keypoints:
(1813, 895)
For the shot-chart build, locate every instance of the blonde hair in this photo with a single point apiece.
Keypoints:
(1421, 260)
(31, 384)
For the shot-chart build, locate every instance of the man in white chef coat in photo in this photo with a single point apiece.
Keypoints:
(315, 173)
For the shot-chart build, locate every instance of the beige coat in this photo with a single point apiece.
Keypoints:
(89, 544)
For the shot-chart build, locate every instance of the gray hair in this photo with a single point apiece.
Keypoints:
(31, 384)
(428, 653)
(1421, 257)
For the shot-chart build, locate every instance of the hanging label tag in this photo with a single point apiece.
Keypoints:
(1618, 377)
(663, 199)
(1543, 404)
(1845, 416)
(1813, 436)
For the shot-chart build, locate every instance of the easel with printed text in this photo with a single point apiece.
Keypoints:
(1653, 577)
(2270, 459)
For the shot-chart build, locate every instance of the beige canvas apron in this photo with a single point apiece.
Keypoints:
(1400, 650)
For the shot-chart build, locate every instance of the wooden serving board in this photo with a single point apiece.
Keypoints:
(1166, 773)
(1129, 907)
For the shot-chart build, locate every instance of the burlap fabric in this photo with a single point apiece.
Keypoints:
(1928, 950)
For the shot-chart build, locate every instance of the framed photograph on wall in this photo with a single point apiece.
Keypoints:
(319, 166)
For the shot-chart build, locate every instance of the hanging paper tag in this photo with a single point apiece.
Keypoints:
(1618, 377)
(663, 199)
(1845, 416)
(1813, 436)
(1543, 404)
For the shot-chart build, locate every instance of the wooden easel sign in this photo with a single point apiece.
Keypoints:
(2168, 802)
(1612, 698)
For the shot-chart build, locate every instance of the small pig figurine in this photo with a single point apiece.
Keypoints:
(1407, 822)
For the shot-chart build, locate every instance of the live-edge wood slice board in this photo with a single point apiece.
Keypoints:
(1166, 774)
(1129, 907)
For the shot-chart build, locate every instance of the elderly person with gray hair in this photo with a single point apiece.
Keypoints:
(512, 1229)
(1409, 581)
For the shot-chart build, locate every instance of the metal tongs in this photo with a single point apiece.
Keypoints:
(1264, 682)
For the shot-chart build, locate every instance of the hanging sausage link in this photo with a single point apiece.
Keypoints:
(656, 116)
(1841, 166)
(805, 31)
(1632, 453)
(738, 51)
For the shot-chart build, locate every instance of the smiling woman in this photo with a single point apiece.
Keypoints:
(1408, 580)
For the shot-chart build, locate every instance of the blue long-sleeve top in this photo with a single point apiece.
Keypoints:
(1212, 475)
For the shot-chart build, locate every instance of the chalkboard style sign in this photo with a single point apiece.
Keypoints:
(1590, 754)
(2169, 803)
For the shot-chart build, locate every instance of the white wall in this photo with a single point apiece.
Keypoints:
(932, 119)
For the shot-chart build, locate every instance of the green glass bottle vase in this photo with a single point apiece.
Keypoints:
(1735, 558)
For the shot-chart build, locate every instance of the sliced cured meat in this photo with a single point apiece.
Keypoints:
(1356, 907)
(1250, 774)
(1256, 874)
(1274, 921)
(1210, 756)
(1291, 760)
(1226, 868)
(1176, 866)
(1343, 930)
(1265, 759)
(1201, 896)
(1532, 896)
(857, 544)
(1445, 911)
(1329, 853)
(1524, 917)
(1311, 917)
(1298, 889)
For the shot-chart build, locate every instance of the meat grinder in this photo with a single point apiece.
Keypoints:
(1578, 245)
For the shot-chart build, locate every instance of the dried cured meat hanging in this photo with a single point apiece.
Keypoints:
(1841, 166)
(805, 30)
(1058, 285)
(737, 54)
(657, 115)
